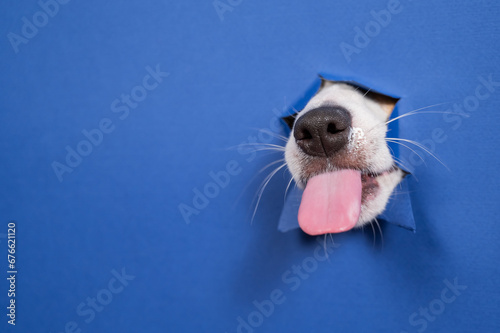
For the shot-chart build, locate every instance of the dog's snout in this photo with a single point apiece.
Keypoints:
(323, 131)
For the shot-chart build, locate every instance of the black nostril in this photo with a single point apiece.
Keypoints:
(332, 128)
(322, 131)
(303, 134)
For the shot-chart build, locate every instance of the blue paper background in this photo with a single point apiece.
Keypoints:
(119, 208)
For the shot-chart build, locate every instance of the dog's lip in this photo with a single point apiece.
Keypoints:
(393, 168)
(364, 173)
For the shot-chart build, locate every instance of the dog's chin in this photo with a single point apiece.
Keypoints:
(375, 192)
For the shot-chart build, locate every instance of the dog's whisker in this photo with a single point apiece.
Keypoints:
(253, 178)
(331, 238)
(289, 109)
(275, 135)
(396, 159)
(401, 163)
(412, 113)
(260, 145)
(251, 181)
(396, 193)
(255, 146)
(353, 92)
(263, 148)
(324, 246)
(272, 163)
(270, 149)
(380, 230)
(402, 144)
(421, 146)
(393, 154)
(263, 187)
(405, 167)
(271, 133)
(374, 235)
(430, 106)
(286, 191)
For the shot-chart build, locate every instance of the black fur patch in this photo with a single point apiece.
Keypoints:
(290, 120)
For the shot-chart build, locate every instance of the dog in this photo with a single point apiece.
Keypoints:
(337, 152)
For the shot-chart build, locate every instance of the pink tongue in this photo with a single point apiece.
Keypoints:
(331, 202)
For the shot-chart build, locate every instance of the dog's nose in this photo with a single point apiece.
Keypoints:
(323, 131)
